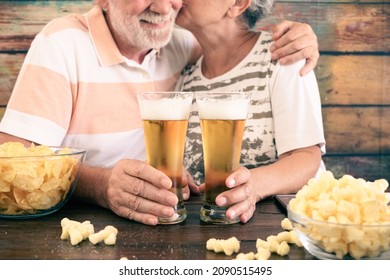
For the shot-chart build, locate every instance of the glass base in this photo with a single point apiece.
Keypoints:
(212, 214)
(179, 216)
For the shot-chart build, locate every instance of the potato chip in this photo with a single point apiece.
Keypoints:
(43, 200)
(4, 186)
(34, 178)
(20, 199)
(51, 184)
(10, 205)
(7, 174)
(27, 183)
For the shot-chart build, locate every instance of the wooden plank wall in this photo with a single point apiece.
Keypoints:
(353, 71)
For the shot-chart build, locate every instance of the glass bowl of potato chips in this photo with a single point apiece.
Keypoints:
(346, 218)
(37, 180)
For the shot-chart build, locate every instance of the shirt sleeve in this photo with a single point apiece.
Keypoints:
(40, 106)
(296, 107)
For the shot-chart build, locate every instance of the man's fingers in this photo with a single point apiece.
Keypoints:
(138, 217)
(280, 29)
(310, 64)
(311, 57)
(300, 45)
(293, 42)
(146, 172)
(138, 208)
(140, 192)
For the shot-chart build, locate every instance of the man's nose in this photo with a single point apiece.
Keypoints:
(164, 6)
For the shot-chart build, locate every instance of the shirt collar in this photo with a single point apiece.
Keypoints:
(105, 46)
(106, 49)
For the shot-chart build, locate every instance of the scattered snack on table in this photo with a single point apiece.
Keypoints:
(289, 236)
(76, 231)
(344, 217)
(247, 256)
(283, 249)
(284, 236)
(228, 246)
(262, 254)
(108, 235)
(274, 244)
(286, 224)
(260, 243)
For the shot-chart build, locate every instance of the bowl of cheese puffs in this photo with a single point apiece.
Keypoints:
(36, 180)
(346, 218)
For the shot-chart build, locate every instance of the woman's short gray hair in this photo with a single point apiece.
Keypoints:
(257, 10)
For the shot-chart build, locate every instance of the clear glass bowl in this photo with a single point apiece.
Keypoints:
(34, 186)
(333, 241)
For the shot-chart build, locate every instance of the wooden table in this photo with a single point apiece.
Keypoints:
(39, 238)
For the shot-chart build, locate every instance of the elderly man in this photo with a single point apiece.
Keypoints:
(77, 88)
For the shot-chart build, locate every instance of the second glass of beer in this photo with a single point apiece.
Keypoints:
(222, 120)
(165, 119)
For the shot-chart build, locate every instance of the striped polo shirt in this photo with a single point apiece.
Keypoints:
(76, 89)
(284, 112)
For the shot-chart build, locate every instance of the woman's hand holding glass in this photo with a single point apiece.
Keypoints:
(240, 197)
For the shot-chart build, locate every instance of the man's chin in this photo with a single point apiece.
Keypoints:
(161, 42)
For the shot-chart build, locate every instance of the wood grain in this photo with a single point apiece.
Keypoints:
(360, 130)
(22, 20)
(40, 238)
(342, 27)
(368, 167)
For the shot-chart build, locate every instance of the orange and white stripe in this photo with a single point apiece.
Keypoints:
(76, 89)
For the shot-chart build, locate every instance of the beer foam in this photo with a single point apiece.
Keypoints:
(165, 109)
(223, 109)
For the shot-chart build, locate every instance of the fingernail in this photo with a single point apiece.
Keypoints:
(231, 183)
(166, 183)
(232, 214)
(222, 201)
(168, 212)
(152, 221)
(172, 200)
(272, 48)
(244, 218)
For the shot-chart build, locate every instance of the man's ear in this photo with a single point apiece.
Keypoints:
(238, 8)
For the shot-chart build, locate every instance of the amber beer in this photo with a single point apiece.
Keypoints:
(165, 148)
(222, 119)
(165, 119)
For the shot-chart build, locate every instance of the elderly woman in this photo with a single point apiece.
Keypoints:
(283, 140)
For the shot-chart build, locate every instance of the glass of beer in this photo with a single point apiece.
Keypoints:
(165, 119)
(222, 120)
